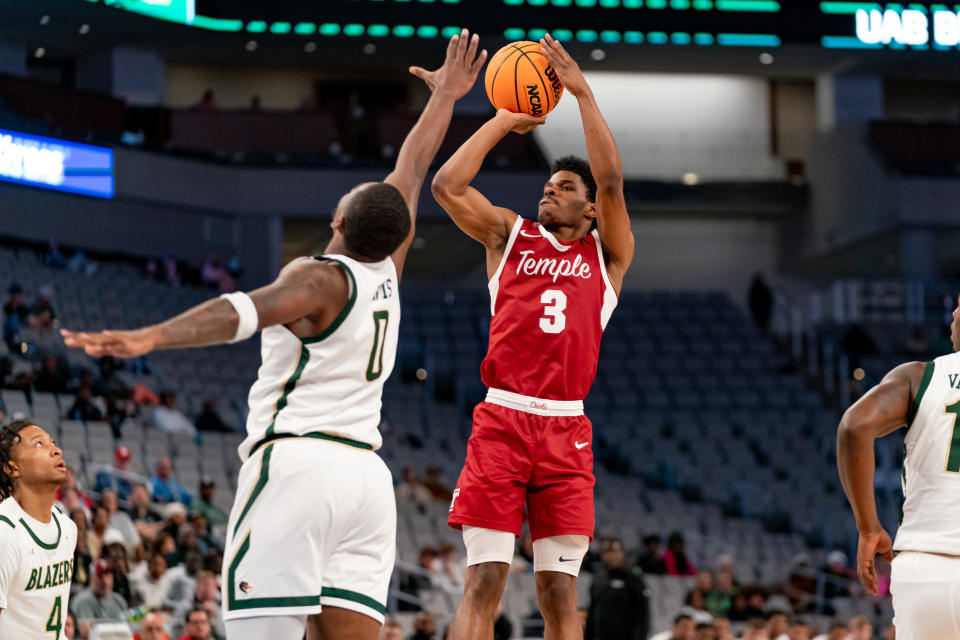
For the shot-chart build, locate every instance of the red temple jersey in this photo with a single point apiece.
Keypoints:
(549, 302)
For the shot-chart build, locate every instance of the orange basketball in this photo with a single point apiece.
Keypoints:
(519, 79)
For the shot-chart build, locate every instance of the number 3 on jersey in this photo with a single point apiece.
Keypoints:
(381, 320)
(555, 302)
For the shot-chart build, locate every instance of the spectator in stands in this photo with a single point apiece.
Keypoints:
(203, 503)
(412, 489)
(839, 576)
(798, 630)
(69, 500)
(168, 418)
(204, 540)
(204, 596)
(81, 557)
(777, 624)
(16, 314)
(166, 487)
(80, 263)
(119, 520)
(152, 585)
(719, 600)
(414, 584)
(70, 626)
(53, 376)
(43, 315)
(450, 571)
(119, 478)
(675, 557)
(836, 631)
(756, 599)
(760, 300)
(115, 551)
(109, 384)
(183, 581)
(860, 628)
(424, 627)
(683, 629)
(724, 631)
(99, 601)
(800, 586)
(439, 490)
(619, 606)
(96, 535)
(209, 419)
(651, 560)
(706, 631)
(151, 627)
(53, 258)
(738, 608)
(146, 521)
(196, 625)
(213, 273)
(83, 407)
(207, 103)
(756, 630)
(693, 606)
(391, 630)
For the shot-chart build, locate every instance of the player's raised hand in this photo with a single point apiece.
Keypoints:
(122, 344)
(876, 541)
(459, 70)
(520, 122)
(566, 67)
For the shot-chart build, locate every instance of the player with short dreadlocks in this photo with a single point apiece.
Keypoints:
(37, 541)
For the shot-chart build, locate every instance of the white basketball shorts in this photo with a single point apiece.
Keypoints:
(314, 524)
(926, 596)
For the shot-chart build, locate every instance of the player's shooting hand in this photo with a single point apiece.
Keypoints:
(872, 542)
(122, 344)
(519, 122)
(459, 70)
(566, 67)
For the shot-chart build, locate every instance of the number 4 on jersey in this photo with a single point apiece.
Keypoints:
(55, 621)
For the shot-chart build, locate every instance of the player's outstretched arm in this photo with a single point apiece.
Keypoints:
(303, 288)
(880, 411)
(448, 84)
(470, 210)
(613, 222)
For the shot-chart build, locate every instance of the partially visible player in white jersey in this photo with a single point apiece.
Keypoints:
(37, 541)
(924, 397)
(312, 534)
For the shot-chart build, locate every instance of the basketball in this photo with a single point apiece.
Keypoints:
(519, 79)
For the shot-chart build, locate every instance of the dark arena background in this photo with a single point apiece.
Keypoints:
(792, 173)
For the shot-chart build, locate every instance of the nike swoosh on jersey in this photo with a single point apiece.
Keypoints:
(580, 445)
(562, 559)
(531, 235)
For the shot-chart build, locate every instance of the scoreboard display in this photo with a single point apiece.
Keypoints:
(695, 23)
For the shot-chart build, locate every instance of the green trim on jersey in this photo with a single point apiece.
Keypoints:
(289, 386)
(915, 402)
(318, 435)
(7, 520)
(233, 604)
(347, 308)
(41, 543)
(353, 596)
(257, 488)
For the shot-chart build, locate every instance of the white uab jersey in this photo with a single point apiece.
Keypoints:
(931, 467)
(36, 567)
(330, 385)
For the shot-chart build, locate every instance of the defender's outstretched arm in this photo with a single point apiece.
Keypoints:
(303, 288)
(880, 411)
(613, 221)
(448, 84)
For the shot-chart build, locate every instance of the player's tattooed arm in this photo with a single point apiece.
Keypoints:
(447, 85)
(613, 221)
(880, 411)
(301, 290)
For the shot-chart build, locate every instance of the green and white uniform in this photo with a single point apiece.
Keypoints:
(314, 519)
(36, 567)
(925, 579)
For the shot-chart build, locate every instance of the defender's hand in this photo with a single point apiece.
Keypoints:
(459, 70)
(872, 542)
(122, 344)
(566, 67)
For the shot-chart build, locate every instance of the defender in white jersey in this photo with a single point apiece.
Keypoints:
(925, 578)
(37, 541)
(312, 534)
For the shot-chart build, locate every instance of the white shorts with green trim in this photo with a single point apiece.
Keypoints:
(314, 524)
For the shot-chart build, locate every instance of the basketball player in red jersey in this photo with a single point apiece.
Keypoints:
(553, 286)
